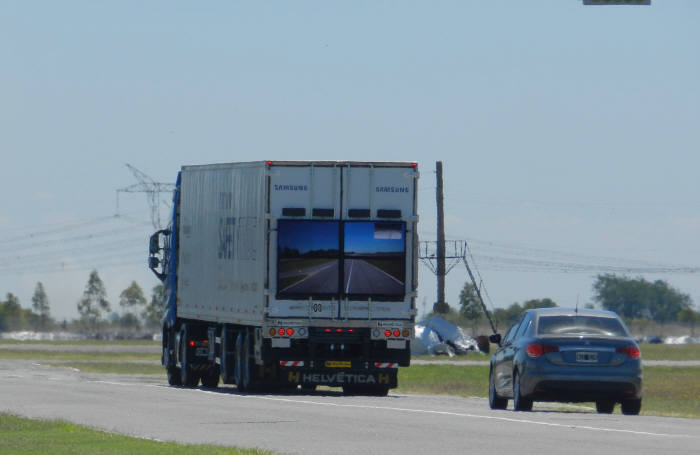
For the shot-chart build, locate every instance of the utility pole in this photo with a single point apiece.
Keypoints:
(440, 307)
(152, 189)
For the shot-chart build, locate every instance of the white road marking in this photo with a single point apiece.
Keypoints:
(347, 288)
(417, 411)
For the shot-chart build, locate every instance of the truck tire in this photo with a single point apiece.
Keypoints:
(239, 372)
(228, 362)
(173, 375)
(210, 378)
(188, 377)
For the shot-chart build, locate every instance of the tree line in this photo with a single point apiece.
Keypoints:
(634, 299)
(94, 309)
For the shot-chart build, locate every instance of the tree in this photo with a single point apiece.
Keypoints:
(93, 302)
(10, 313)
(132, 297)
(689, 316)
(638, 298)
(40, 304)
(155, 309)
(470, 306)
(539, 303)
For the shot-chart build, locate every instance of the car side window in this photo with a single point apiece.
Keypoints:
(523, 327)
(511, 333)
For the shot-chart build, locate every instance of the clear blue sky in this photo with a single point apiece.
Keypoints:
(569, 133)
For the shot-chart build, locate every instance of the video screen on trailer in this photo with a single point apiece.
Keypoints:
(308, 257)
(374, 258)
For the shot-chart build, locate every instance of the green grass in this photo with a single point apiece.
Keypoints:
(668, 391)
(20, 436)
(88, 342)
(670, 351)
(38, 354)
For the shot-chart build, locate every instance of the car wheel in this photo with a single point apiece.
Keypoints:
(495, 401)
(631, 406)
(605, 406)
(520, 403)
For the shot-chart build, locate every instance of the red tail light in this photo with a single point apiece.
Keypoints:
(387, 333)
(632, 351)
(280, 331)
(327, 330)
(290, 331)
(397, 333)
(535, 350)
(351, 330)
(192, 343)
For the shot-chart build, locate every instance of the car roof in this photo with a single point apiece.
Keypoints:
(556, 311)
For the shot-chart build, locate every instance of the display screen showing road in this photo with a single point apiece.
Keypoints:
(309, 252)
(374, 258)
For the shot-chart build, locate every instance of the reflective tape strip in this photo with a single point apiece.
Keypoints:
(291, 363)
(385, 365)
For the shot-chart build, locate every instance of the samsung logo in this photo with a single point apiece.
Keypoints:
(392, 189)
(291, 188)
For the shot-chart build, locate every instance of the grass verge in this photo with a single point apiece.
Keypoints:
(86, 342)
(20, 436)
(38, 354)
(668, 391)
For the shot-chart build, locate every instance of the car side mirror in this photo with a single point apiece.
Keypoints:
(495, 338)
(153, 246)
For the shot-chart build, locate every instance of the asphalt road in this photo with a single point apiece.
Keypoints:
(361, 277)
(328, 423)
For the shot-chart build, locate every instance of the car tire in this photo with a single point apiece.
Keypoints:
(520, 403)
(631, 406)
(605, 406)
(495, 401)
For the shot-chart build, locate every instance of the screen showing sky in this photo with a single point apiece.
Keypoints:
(371, 237)
(306, 236)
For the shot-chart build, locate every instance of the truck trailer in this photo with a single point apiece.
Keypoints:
(287, 274)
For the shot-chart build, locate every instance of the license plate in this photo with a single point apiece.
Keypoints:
(202, 351)
(587, 357)
(337, 364)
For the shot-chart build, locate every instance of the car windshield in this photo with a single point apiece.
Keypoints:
(580, 325)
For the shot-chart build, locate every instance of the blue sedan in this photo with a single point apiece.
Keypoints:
(554, 354)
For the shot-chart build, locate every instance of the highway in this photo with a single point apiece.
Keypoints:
(324, 423)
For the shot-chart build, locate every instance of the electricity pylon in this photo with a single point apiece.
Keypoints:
(152, 189)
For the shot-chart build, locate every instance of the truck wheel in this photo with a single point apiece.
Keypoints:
(227, 361)
(238, 374)
(188, 377)
(173, 375)
(210, 378)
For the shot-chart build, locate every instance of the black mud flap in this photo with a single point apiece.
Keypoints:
(338, 378)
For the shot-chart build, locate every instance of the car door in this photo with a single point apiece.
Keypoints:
(503, 361)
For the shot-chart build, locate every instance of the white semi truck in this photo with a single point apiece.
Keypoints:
(282, 274)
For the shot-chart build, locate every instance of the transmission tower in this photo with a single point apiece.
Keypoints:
(152, 189)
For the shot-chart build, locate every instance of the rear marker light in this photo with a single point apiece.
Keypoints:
(290, 332)
(192, 343)
(387, 333)
(280, 332)
(397, 333)
(630, 351)
(327, 330)
(406, 333)
(339, 330)
(351, 330)
(272, 332)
